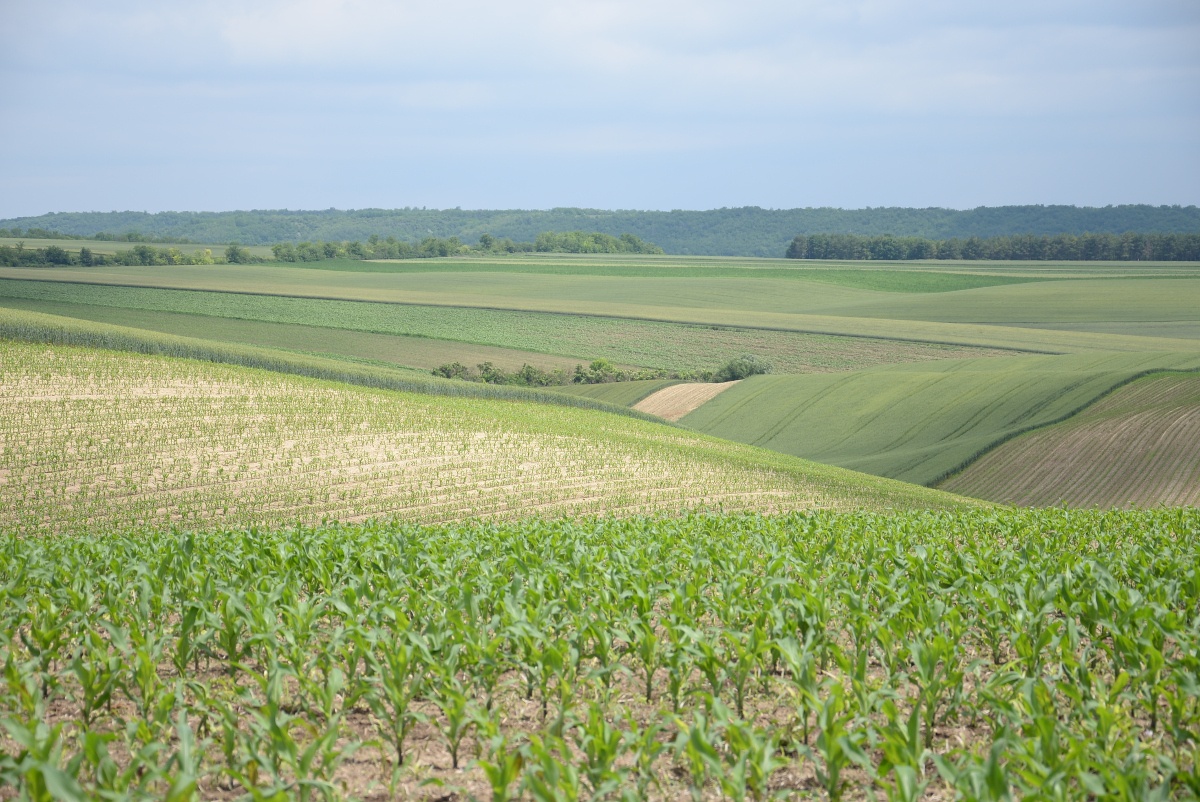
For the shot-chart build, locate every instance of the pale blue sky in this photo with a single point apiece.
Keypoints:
(633, 104)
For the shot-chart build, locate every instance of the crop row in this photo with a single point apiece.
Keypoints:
(982, 655)
(94, 440)
(635, 342)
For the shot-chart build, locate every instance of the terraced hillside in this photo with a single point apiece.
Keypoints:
(1136, 446)
(104, 440)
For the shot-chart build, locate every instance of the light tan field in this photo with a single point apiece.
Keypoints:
(672, 403)
(102, 440)
(1137, 446)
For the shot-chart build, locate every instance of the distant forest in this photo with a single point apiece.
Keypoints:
(374, 248)
(746, 231)
(1128, 247)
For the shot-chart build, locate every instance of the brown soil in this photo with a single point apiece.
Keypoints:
(1139, 446)
(673, 402)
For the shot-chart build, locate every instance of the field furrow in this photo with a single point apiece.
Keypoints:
(104, 440)
(1140, 445)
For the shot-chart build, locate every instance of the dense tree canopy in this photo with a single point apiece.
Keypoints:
(391, 248)
(746, 231)
(1087, 247)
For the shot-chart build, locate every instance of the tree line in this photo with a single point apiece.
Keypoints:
(376, 247)
(741, 231)
(599, 371)
(20, 256)
(1127, 247)
(102, 236)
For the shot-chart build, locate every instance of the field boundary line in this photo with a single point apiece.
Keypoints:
(1062, 419)
(277, 362)
(964, 342)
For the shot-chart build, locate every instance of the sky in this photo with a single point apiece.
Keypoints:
(611, 104)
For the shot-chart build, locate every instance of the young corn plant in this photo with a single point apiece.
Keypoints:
(644, 744)
(936, 672)
(601, 746)
(751, 755)
(904, 753)
(39, 770)
(837, 746)
(549, 773)
(504, 762)
(458, 713)
(97, 669)
(398, 671)
(696, 746)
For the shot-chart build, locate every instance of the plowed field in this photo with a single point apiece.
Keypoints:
(1140, 445)
(673, 402)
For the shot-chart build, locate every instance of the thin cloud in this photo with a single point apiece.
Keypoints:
(771, 103)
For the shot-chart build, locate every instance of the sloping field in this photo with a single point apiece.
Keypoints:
(781, 304)
(917, 422)
(672, 403)
(535, 337)
(625, 394)
(102, 440)
(1140, 445)
(57, 330)
(1076, 301)
(402, 350)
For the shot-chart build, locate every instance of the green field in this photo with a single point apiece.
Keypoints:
(795, 305)
(624, 393)
(1076, 302)
(1030, 654)
(1135, 446)
(539, 336)
(906, 370)
(917, 423)
(396, 349)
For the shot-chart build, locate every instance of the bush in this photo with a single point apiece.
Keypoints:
(741, 367)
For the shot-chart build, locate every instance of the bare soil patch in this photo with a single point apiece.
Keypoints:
(673, 402)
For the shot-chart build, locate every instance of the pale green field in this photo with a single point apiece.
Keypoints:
(422, 353)
(1076, 302)
(783, 304)
(542, 339)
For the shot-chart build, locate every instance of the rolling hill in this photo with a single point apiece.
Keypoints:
(1135, 446)
(918, 423)
(103, 440)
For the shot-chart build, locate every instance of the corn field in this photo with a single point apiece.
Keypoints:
(974, 655)
(93, 440)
